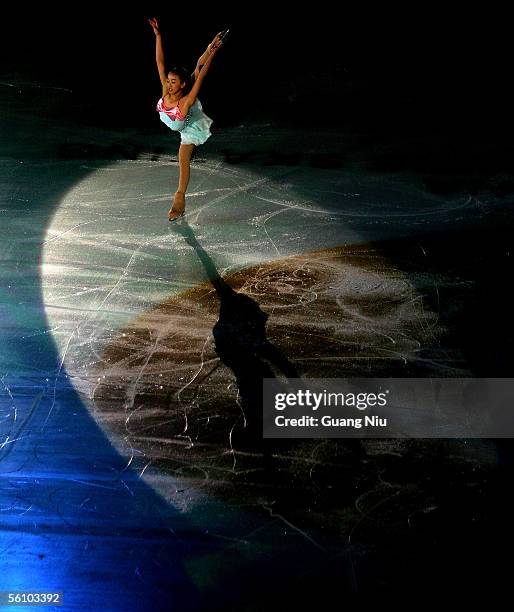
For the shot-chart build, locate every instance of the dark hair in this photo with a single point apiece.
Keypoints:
(183, 75)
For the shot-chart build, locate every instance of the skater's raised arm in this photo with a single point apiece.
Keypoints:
(159, 52)
(191, 97)
(216, 42)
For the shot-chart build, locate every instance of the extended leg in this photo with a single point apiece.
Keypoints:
(179, 199)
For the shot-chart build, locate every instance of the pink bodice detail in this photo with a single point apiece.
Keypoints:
(173, 113)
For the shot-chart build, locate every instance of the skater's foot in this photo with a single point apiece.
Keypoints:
(179, 204)
(179, 201)
(173, 215)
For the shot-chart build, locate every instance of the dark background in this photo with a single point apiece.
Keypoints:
(422, 89)
(386, 70)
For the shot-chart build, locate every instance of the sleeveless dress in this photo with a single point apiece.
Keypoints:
(194, 128)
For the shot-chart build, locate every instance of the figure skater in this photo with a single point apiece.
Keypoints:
(180, 109)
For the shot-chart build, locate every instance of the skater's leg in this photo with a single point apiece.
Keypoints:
(179, 200)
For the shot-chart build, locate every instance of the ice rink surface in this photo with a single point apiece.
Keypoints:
(131, 350)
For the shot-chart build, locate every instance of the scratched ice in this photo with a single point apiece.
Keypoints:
(151, 327)
(134, 302)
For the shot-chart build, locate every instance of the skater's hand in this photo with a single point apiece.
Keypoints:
(155, 25)
(216, 43)
(213, 49)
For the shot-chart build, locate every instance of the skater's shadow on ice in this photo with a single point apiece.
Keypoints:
(240, 337)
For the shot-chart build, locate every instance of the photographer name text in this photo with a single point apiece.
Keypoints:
(330, 421)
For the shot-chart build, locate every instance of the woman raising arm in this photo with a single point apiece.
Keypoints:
(180, 109)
